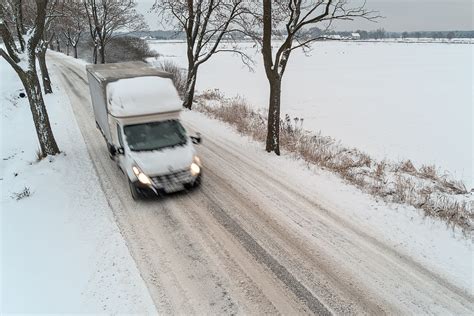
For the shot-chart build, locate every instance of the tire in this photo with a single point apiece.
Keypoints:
(136, 195)
(198, 181)
(109, 149)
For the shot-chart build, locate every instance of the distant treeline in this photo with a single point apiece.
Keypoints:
(160, 35)
(374, 34)
(381, 34)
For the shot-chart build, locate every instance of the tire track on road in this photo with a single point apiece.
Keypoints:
(284, 276)
(244, 251)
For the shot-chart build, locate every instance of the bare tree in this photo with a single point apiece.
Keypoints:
(28, 13)
(206, 23)
(296, 16)
(106, 17)
(43, 45)
(41, 55)
(21, 55)
(57, 41)
(72, 23)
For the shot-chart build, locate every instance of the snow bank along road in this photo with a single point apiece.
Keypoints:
(251, 240)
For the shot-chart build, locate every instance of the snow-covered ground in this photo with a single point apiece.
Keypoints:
(404, 228)
(392, 100)
(324, 232)
(61, 250)
(204, 251)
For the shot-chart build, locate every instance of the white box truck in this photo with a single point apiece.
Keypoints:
(137, 109)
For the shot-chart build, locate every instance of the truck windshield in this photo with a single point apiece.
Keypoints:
(155, 135)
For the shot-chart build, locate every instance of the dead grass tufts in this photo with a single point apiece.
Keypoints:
(22, 194)
(428, 172)
(453, 186)
(452, 210)
(39, 155)
(393, 182)
(406, 166)
(211, 94)
(380, 169)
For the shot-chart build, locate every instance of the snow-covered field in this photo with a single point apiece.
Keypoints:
(393, 100)
(61, 250)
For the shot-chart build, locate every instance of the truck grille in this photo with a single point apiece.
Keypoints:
(172, 179)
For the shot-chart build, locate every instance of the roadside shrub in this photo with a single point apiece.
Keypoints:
(178, 75)
(128, 48)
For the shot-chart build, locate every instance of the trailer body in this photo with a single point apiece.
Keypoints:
(137, 110)
(101, 75)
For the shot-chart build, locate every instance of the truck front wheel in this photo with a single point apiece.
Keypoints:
(110, 149)
(136, 195)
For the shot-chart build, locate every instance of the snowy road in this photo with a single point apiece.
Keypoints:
(253, 241)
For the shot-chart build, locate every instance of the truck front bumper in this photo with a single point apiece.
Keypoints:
(173, 182)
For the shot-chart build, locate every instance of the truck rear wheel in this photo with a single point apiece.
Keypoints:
(136, 195)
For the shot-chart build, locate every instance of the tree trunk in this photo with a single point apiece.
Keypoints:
(94, 54)
(102, 54)
(44, 71)
(274, 79)
(75, 50)
(29, 78)
(190, 87)
(44, 132)
(273, 126)
(67, 49)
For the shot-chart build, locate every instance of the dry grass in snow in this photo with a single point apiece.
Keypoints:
(425, 188)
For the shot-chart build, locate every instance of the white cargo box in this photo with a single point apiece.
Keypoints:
(130, 89)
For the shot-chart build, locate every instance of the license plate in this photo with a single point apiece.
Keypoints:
(173, 187)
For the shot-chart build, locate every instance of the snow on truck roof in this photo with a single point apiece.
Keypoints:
(142, 96)
(115, 71)
(135, 88)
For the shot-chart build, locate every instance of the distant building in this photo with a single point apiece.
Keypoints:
(355, 36)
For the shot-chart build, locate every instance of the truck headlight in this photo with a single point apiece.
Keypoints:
(195, 169)
(143, 178)
(197, 160)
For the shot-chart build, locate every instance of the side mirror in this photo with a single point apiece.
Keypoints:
(116, 150)
(196, 139)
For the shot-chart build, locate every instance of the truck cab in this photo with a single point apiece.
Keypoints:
(137, 109)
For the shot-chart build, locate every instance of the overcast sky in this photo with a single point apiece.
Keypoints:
(400, 15)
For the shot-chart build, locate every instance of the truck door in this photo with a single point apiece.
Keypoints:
(121, 159)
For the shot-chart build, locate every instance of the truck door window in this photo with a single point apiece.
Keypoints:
(119, 135)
